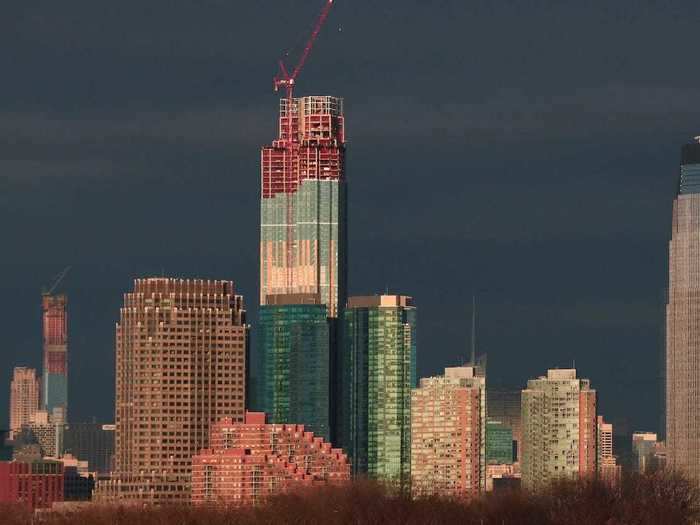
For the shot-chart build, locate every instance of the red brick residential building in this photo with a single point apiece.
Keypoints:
(38, 484)
(250, 461)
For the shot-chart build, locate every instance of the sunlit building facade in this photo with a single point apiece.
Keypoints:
(252, 460)
(55, 375)
(606, 462)
(379, 370)
(448, 418)
(181, 352)
(683, 321)
(559, 428)
(24, 397)
(303, 239)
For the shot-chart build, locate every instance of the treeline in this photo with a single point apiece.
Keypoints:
(654, 499)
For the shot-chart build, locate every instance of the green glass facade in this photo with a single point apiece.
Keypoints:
(379, 371)
(295, 365)
(499, 443)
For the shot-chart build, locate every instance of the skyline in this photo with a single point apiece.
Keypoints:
(512, 256)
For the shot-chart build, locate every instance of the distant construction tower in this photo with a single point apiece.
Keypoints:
(55, 378)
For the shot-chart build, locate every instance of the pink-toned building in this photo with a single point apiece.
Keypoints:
(448, 434)
(250, 461)
(24, 397)
(54, 390)
(608, 469)
(36, 484)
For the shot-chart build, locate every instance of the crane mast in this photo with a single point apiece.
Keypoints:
(286, 80)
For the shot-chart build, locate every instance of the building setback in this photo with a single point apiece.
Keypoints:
(607, 467)
(559, 428)
(448, 416)
(683, 321)
(181, 357)
(250, 461)
(24, 397)
(302, 249)
(55, 335)
(379, 371)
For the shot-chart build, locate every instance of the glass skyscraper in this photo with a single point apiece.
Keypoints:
(683, 321)
(499, 443)
(302, 263)
(295, 365)
(379, 371)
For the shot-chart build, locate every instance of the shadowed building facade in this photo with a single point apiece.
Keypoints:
(504, 406)
(92, 442)
(181, 351)
(296, 362)
(302, 256)
(379, 371)
(683, 321)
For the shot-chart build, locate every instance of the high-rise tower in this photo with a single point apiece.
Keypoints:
(559, 428)
(683, 320)
(379, 371)
(24, 397)
(302, 259)
(448, 434)
(180, 363)
(302, 236)
(55, 377)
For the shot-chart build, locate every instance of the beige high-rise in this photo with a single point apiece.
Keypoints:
(181, 357)
(559, 428)
(24, 397)
(683, 321)
(608, 469)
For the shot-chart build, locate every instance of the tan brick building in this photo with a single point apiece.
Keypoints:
(24, 397)
(180, 364)
(559, 428)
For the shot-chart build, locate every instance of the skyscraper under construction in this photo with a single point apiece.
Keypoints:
(683, 321)
(302, 259)
(54, 386)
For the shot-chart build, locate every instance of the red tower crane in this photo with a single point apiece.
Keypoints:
(286, 80)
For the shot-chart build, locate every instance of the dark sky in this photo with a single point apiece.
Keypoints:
(525, 150)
